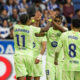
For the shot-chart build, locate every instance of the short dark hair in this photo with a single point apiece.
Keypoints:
(76, 22)
(24, 18)
(11, 28)
(36, 1)
(59, 16)
(57, 9)
(77, 11)
(4, 10)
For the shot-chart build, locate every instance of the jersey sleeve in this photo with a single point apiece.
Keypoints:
(49, 31)
(44, 38)
(36, 29)
(45, 33)
(65, 28)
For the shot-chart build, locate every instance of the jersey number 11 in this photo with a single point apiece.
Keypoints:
(23, 42)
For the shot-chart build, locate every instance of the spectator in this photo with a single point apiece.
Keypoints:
(14, 18)
(44, 19)
(4, 30)
(5, 24)
(34, 7)
(45, 1)
(61, 1)
(1, 5)
(68, 11)
(52, 5)
(78, 13)
(4, 1)
(11, 34)
(9, 7)
(58, 11)
(3, 16)
(15, 4)
(23, 7)
(43, 7)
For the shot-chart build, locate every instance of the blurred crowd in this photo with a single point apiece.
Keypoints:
(11, 10)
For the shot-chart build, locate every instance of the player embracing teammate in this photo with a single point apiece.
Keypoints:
(30, 46)
(23, 39)
(70, 42)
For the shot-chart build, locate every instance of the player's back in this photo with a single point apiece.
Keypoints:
(71, 46)
(23, 37)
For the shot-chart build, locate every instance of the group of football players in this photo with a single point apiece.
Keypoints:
(63, 46)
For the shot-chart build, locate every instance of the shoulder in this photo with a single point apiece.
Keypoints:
(51, 28)
(16, 25)
(65, 34)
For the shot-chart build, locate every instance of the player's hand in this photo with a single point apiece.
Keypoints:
(37, 61)
(56, 63)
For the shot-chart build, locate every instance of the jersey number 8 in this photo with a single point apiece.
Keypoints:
(72, 50)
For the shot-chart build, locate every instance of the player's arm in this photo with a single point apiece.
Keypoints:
(43, 47)
(40, 34)
(45, 29)
(42, 30)
(56, 58)
(59, 27)
(57, 51)
(37, 19)
(53, 15)
(38, 59)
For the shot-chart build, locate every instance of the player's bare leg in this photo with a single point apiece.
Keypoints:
(36, 78)
(21, 78)
(28, 78)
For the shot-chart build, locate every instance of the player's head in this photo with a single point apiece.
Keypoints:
(24, 19)
(58, 19)
(78, 13)
(75, 23)
(58, 11)
(11, 31)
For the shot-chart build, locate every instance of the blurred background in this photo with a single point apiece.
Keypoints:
(10, 11)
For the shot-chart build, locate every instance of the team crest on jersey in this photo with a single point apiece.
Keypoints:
(54, 44)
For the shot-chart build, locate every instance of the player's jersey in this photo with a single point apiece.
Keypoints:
(61, 56)
(52, 40)
(37, 44)
(24, 36)
(70, 41)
